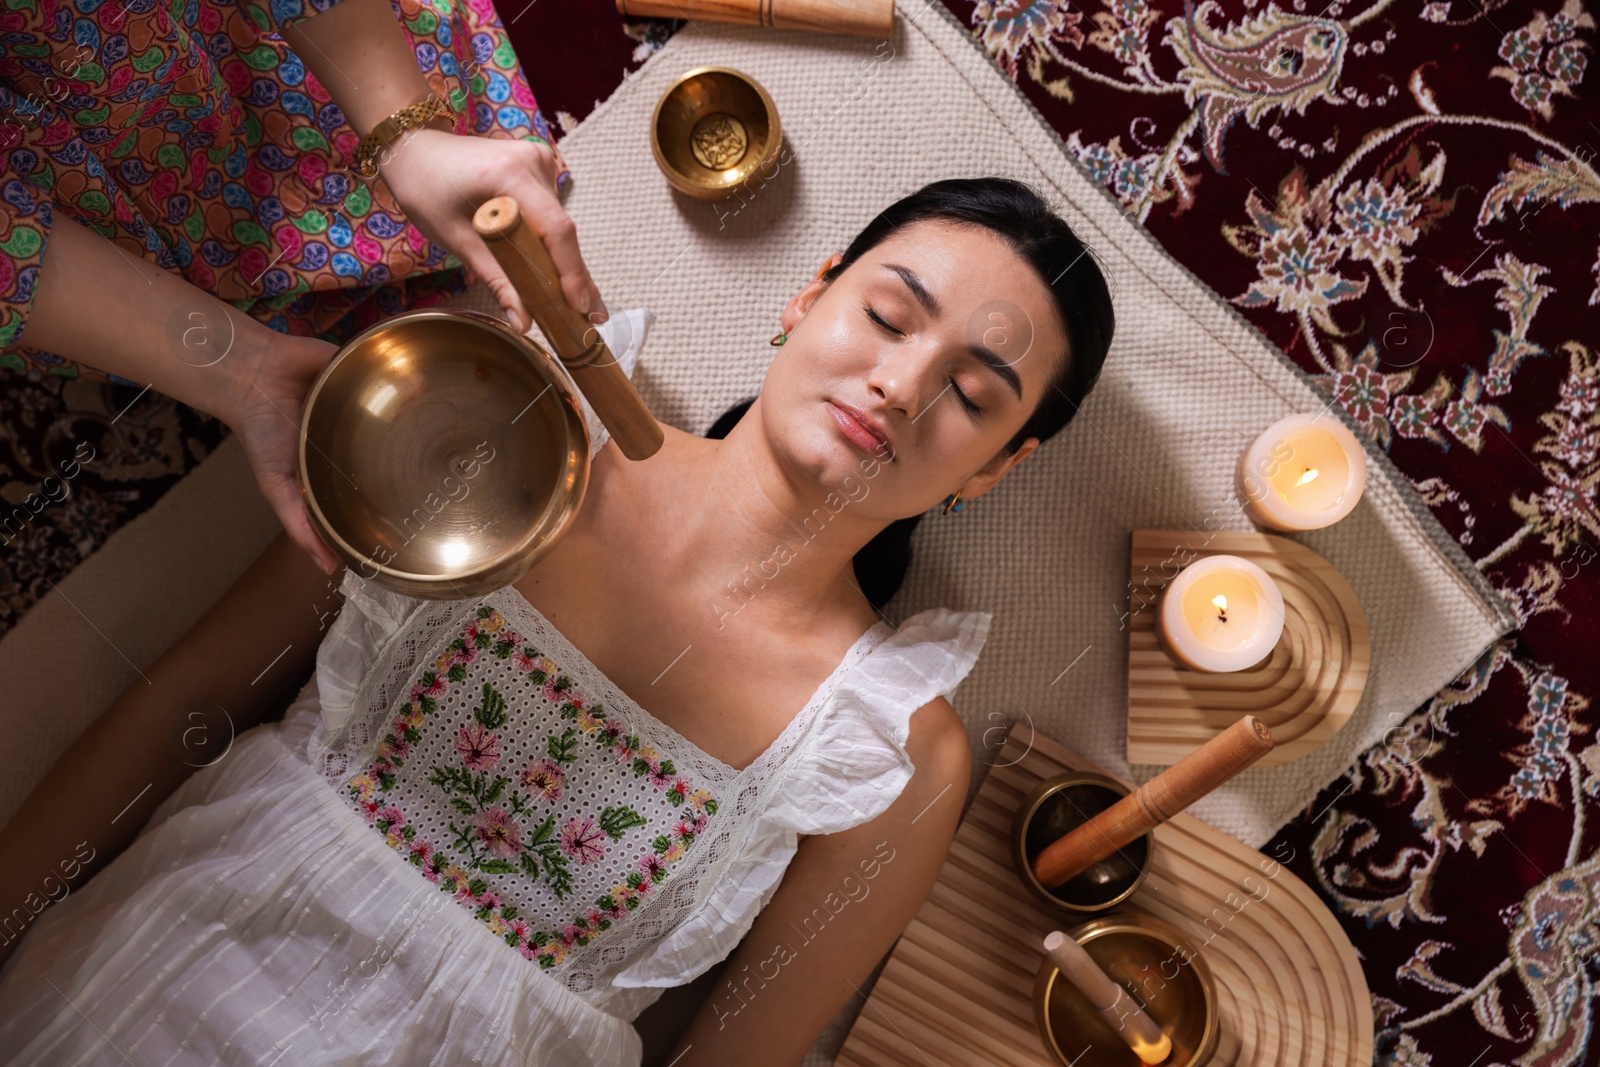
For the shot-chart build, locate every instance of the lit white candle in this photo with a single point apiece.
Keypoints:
(1305, 472)
(1221, 613)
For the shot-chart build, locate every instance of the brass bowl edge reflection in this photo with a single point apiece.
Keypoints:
(457, 374)
(706, 92)
(1060, 899)
(1117, 942)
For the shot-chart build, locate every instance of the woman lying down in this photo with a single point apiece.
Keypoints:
(494, 831)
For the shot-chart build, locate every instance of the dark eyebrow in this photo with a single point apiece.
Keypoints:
(918, 290)
(984, 355)
(1002, 367)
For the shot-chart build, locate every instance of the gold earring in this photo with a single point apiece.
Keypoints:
(953, 502)
(779, 339)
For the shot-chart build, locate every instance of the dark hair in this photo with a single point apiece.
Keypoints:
(1017, 213)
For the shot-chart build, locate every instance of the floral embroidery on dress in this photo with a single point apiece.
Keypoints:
(507, 833)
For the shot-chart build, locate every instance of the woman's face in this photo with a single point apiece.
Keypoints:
(935, 313)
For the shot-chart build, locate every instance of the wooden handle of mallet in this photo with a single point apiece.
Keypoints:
(526, 261)
(1155, 802)
(1116, 1006)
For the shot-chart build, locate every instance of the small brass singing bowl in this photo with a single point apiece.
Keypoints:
(1058, 805)
(442, 454)
(1153, 963)
(714, 130)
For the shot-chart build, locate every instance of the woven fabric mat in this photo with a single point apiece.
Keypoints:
(1187, 385)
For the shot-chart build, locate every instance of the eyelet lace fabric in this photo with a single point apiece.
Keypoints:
(514, 775)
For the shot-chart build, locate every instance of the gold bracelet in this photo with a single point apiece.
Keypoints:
(412, 116)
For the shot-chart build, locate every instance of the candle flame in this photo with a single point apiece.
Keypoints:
(1221, 603)
(1309, 476)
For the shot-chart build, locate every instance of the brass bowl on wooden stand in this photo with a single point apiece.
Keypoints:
(1152, 962)
(714, 131)
(1058, 805)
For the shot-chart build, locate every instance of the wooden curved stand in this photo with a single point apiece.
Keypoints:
(1304, 691)
(958, 987)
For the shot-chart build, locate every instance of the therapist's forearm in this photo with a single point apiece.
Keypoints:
(110, 309)
(358, 51)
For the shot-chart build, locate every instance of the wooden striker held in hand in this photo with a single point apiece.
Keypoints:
(522, 255)
(1153, 803)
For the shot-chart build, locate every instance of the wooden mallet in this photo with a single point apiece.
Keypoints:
(526, 261)
(1120, 1010)
(1153, 803)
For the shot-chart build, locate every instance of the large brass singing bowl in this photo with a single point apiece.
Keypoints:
(442, 454)
(714, 131)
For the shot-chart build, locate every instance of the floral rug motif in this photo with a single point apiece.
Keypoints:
(1404, 198)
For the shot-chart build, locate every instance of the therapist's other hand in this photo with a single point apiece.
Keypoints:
(273, 377)
(440, 179)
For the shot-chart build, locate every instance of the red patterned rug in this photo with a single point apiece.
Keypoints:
(1403, 197)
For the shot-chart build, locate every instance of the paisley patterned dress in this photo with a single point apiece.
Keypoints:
(189, 133)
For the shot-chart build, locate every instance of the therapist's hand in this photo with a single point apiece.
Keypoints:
(273, 375)
(440, 179)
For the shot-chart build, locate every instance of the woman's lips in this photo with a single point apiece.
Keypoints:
(858, 434)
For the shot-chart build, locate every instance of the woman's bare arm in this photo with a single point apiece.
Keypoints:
(104, 307)
(358, 52)
(843, 902)
(98, 795)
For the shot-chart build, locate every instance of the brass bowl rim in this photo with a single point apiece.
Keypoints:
(1042, 791)
(1137, 922)
(684, 183)
(463, 585)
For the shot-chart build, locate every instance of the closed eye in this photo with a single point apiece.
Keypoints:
(875, 317)
(966, 401)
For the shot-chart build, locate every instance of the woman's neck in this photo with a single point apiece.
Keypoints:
(752, 540)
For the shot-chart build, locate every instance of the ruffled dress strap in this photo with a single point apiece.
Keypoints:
(854, 763)
(370, 618)
(848, 768)
(363, 667)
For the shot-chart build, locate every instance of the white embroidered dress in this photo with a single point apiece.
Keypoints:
(462, 844)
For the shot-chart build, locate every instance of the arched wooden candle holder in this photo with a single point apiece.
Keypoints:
(1304, 691)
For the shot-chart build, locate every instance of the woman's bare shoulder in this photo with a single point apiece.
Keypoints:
(940, 737)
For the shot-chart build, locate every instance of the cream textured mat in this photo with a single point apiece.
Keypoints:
(1187, 384)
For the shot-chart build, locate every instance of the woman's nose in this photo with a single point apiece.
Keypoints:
(906, 377)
